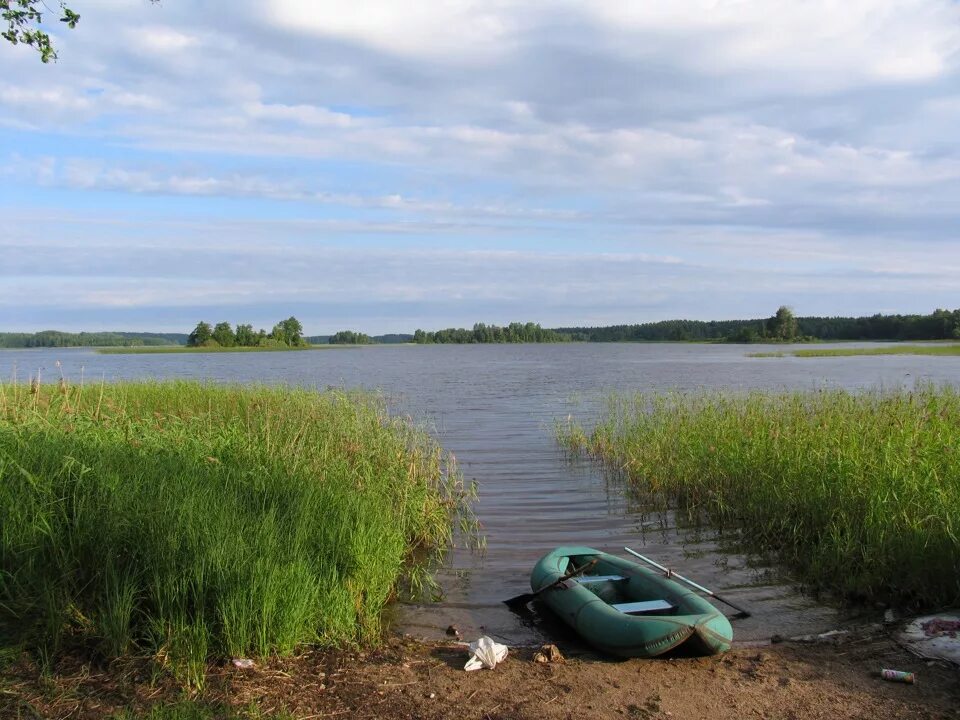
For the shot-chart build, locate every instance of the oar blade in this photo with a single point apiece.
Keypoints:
(520, 600)
(741, 612)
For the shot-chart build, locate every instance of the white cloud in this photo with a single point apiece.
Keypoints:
(823, 44)
(461, 287)
(88, 174)
(58, 99)
(432, 29)
(306, 115)
(746, 134)
(161, 40)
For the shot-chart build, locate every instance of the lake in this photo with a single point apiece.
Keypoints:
(494, 406)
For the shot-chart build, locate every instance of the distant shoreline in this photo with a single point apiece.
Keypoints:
(179, 349)
(782, 328)
(935, 348)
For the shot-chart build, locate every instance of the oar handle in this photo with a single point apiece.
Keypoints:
(670, 573)
(573, 573)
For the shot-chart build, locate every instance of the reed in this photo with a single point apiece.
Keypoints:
(858, 493)
(189, 522)
(949, 350)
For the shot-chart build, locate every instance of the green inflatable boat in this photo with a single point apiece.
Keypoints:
(625, 609)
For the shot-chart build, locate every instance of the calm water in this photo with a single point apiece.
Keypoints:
(494, 407)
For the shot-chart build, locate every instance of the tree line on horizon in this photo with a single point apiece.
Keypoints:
(938, 325)
(58, 338)
(350, 337)
(481, 333)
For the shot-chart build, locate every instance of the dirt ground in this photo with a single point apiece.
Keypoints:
(411, 679)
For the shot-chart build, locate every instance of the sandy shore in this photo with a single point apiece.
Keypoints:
(411, 679)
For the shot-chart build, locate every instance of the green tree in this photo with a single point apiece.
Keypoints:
(201, 334)
(279, 333)
(245, 337)
(293, 331)
(745, 334)
(223, 334)
(783, 325)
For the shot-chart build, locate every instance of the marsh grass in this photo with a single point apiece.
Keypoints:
(188, 522)
(952, 349)
(858, 493)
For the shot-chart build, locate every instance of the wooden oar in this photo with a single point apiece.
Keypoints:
(741, 613)
(521, 600)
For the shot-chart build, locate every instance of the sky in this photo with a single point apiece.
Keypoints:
(385, 166)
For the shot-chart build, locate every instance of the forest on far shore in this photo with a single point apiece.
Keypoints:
(782, 326)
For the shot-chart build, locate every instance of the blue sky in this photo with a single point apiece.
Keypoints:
(385, 166)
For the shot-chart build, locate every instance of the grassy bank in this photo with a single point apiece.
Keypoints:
(860, 494)
(951, 349)
(187, 522)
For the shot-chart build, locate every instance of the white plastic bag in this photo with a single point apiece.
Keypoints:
(485, 653)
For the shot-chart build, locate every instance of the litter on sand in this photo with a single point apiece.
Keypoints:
(934, 637)
(831, 636)
(549, 654)
(485, 653)
(898, 676)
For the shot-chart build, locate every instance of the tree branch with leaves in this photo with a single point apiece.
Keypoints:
(23, 18)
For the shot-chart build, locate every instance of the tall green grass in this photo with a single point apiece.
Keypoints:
(950, 350)
(186, 521)
(859, 493)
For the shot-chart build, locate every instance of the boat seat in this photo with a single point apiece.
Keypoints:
(586, 579)
(632, 608)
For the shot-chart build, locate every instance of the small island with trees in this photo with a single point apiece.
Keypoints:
(285, 334)
(481, 333)
(350, 337)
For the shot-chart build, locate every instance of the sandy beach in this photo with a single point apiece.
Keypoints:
(412, 679)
